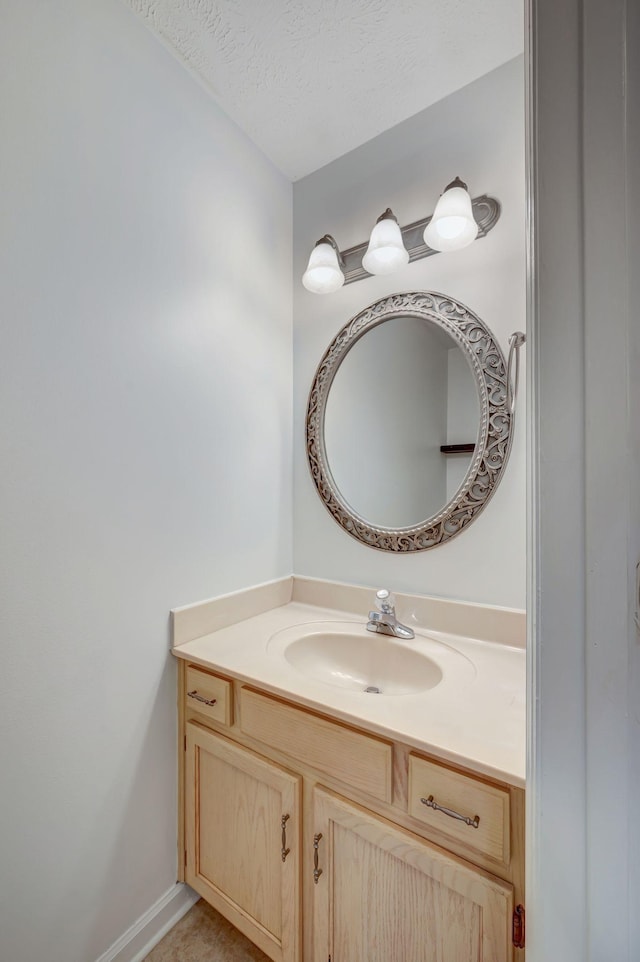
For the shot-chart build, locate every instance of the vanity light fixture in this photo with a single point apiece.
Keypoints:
(324, 270)
(386, 252)
(455, 223)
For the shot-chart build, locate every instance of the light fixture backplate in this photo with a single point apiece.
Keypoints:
(486, 211)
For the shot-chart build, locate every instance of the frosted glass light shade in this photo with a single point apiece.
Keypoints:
(453, 225)
(386, 252)
(323, 274)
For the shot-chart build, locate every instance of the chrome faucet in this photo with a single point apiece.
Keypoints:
(384, 620)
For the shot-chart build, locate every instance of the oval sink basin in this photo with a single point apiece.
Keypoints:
(363, 661)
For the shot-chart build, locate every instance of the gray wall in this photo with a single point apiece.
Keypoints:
(145, 429)
(477, 133)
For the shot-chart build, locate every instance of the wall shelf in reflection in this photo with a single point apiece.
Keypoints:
(457, 448)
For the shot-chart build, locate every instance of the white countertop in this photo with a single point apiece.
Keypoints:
(475, 717)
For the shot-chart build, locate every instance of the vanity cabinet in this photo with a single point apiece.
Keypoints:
(386, 854)
(243, 839)
(385, 894)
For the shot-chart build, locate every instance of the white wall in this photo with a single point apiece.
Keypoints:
(477, 133)
(390, 393)
(583, 839)
(463, 412)
(145, 430)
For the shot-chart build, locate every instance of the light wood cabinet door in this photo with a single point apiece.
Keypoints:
(242, 815)
(385, 895)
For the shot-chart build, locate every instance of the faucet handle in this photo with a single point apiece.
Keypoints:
(385, 600)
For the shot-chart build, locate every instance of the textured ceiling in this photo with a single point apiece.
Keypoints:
(309, 80)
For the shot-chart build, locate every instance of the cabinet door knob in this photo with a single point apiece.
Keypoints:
(317, 872)
(283, 825)
(431, 803)
(198, 697)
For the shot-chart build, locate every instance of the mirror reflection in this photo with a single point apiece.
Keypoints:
(402, 392)
(390, 392)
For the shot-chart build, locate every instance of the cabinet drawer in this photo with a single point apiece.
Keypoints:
(356, 759)
(208, 695)
(485, 806)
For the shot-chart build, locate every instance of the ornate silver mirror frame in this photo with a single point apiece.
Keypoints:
(496, 402)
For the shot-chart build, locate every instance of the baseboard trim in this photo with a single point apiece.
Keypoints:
(136, 943)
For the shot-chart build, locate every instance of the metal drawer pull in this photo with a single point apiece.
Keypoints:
(430, 803)
(317, 872)
(205, 701)
(283, 825)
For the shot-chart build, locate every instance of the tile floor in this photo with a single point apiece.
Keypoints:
(202, 935)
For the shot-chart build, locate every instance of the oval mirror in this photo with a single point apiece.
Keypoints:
(408, 428)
